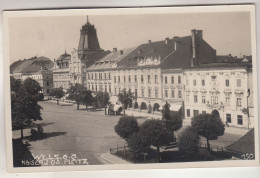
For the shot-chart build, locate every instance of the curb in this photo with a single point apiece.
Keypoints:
(113, 159)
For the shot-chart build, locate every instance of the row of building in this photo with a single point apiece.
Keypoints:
(184, 71)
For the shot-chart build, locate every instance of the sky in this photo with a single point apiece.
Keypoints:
(227, 32)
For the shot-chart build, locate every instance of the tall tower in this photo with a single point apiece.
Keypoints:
(88, 39)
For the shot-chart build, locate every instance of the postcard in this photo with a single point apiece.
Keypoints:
(130, 88)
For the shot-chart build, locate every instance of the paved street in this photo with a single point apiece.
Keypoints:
(70, 131)
(88, 134)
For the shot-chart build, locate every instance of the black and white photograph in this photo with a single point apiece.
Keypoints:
(130, 88)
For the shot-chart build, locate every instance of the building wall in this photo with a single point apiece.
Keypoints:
(173, 86)
(206, 90)
(77, 74)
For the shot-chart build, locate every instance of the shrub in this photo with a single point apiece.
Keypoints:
(188, 142)
(126, 126)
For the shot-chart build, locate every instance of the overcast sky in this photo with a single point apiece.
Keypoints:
(228, 33)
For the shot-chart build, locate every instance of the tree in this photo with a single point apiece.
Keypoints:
(137, 145)
(24, 103)
(102, 100)
(58, 93)
(188, 142)
(126, 98)
(173, 120)
(126, 126)
(209, 126)
(155, 133)
(87, 97)
(75, 93)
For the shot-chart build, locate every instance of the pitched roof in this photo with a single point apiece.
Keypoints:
(64, 57)
(245, 144)
(32, 65)
(110, 60)
(90, 57)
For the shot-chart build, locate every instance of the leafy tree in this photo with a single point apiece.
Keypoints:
(155, 133)
(209, 126)
(75, 93)
(188, 142)
(173, 120)
(102, 100)
(58, 93)
(137, 145)
(126, 126)
(126, 97)
(24, 103)
(87, 97)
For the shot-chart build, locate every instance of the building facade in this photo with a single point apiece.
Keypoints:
(221, 87)
(61, 71)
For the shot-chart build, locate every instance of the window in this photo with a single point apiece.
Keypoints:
(115, 91)
(135, 78)
(142, 78)
(195, 98)
(92, 87)
(95, 75)
(179, 79)
(172, 80)
(214, 100)
(202, 82)
(124, 79)
(187, 98)
(101, 76)
(187, 82)
(114, 79)
(47, 83)
(118, 79)
(129, 78)
(204, 112)
(96, 87)
(203, 99)
(239, 120)
(105, 76)
(179, 94)
(166, 93)
(149, 78)
(136, 93)
(48, 91)
(195, 113)
(172, 93)
(155, 79)
(188, 112)
(142, 92)
(105, 88)
(109, 76)
(156, 93)
(109, 88)
(149, 92)
(92, 76)
(165, 79)
(227, 83)
(228, 118)
(238, 82)
(194, 83)
(239, 102)
(228, 101)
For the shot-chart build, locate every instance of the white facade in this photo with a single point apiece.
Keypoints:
(224, 89)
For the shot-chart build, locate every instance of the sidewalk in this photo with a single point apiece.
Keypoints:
(113, 159)
(138, 113)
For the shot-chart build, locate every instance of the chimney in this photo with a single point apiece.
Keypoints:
(194, 50)
(149, 41)
(114, 49)
(199, 34)
(121, 52)
(139, 51)
(229, 55)
(175, 37)
(108, 51)
(167, 40)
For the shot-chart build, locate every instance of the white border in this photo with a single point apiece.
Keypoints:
(194, 9)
